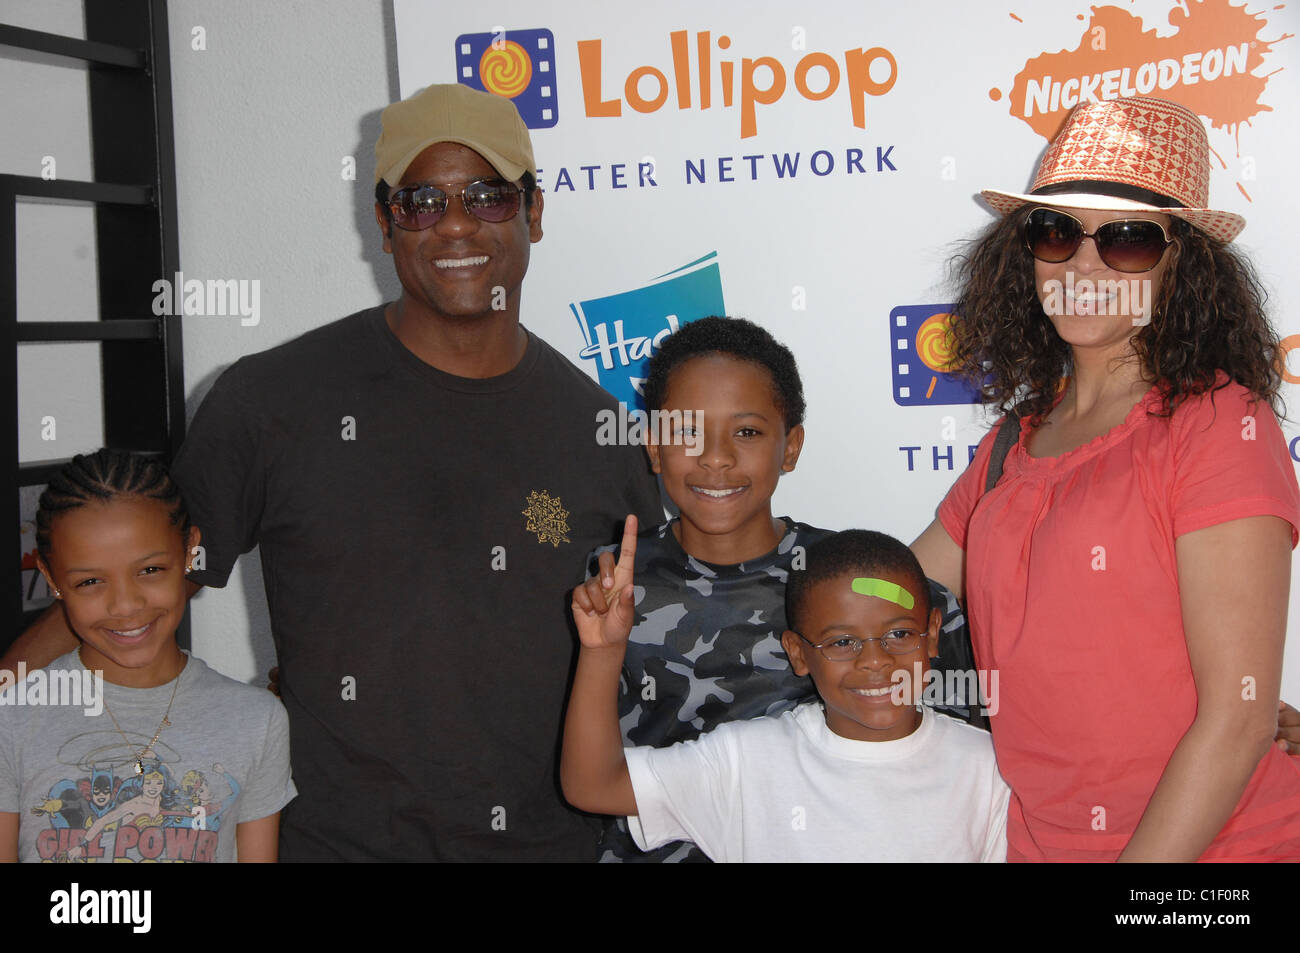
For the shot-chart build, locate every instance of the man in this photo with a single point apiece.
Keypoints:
(424, 481)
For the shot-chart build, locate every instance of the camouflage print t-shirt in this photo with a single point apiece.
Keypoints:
(706, 649)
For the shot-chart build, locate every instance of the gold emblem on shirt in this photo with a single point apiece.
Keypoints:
(547, 517)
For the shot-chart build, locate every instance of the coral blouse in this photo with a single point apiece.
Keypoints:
(1072, 589)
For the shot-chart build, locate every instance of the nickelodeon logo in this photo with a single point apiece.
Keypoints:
(1049, 96)
(1206, 64)
(921, 356)
(762, 80)
(519, 65)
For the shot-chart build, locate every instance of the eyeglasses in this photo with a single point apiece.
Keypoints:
(1130, 245)
(418, 207)
(841, 648)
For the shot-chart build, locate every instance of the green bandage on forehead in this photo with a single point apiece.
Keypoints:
(881, 589)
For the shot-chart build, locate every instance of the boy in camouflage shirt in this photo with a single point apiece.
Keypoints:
(709, 609)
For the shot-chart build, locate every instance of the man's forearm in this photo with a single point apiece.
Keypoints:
(45, 640)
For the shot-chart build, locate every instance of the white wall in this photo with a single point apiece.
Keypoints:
(263, 117)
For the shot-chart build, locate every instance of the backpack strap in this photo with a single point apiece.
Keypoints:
(1008, 434)
(958, 647)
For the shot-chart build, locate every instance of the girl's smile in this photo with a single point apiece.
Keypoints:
(119, 567)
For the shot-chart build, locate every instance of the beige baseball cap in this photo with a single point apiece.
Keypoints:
(452, 112)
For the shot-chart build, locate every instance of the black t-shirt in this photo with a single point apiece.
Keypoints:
(418, 533)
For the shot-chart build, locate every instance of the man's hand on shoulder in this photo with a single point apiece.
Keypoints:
(44, 640)
(1288, 729)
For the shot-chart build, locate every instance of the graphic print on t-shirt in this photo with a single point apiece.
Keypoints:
(105, 811)
(547, 517)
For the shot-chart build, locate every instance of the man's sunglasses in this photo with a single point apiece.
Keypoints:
(417, 207)
(1130, 245)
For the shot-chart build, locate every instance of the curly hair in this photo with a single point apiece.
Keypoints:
(1209, 317)
(731, 337)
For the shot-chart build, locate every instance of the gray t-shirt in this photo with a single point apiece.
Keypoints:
(71, 775)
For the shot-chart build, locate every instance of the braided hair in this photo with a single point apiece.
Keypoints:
(103, 476)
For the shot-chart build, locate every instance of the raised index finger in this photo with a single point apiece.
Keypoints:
(626, 553)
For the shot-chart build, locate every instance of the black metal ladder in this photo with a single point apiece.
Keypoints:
(134, 199)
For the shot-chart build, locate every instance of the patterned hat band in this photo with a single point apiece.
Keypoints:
(1128, 155)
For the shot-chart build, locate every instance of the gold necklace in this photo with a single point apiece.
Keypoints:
(165, 723)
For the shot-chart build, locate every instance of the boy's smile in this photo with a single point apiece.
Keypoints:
(724, 491)
(858, 691)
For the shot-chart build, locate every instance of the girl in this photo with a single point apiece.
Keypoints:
(1128, 574)
(115, 544)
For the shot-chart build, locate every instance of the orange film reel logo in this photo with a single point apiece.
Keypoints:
(518, 65)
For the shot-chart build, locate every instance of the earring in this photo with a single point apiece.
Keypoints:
(58, 593)
(188, 570)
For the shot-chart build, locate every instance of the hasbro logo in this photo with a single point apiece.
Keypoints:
(623, 330)
(920, 355)
(516, 64)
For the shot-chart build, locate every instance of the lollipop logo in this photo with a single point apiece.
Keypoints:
(934, 342)
(921, 357)
(516, 64)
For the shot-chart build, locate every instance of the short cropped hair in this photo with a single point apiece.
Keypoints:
(859, 552)
(729, 337)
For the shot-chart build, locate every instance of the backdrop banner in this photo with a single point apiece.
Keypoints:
(814, 170)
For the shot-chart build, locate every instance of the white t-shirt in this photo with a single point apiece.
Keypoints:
(789, 789)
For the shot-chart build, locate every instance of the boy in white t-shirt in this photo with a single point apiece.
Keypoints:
(862, 775)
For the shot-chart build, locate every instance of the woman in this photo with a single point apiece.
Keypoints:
(1128, 575)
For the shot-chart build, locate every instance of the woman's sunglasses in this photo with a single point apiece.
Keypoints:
(1130, 245)
(417, 207)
